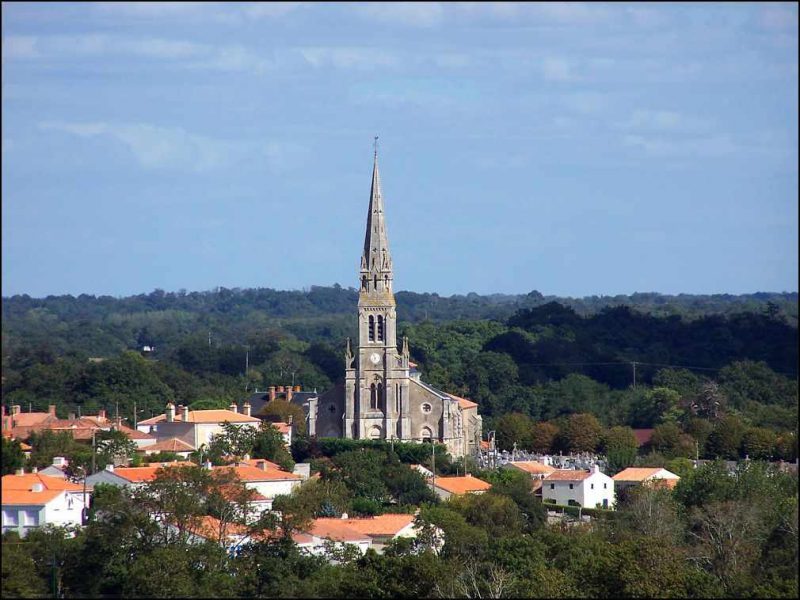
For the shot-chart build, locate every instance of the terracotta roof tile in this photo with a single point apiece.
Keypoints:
(170, 445)
(463, 402)
(532, 466)
(26, 482)
(643, 473)
(388, 524)
(140, 474)
(568, 475)
(337, 530)
(205, 416)
(248, 473)
(27, 497)
(462, 485)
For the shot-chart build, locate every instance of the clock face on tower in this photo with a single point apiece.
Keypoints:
(375, 358)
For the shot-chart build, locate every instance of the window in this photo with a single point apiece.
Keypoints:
(591, 486)
(426, 434)
(9, 518)
(552, 486)
(373, 397)
(605, 486)
(397, 397)
(571, 486)
(375, 433)
(30, 517)
(371, 328)
(379, 405)
(380, 328)
(426, 408)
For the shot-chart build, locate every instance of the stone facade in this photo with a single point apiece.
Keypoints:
(382, 395)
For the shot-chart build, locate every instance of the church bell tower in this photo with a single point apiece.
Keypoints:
(376, 378)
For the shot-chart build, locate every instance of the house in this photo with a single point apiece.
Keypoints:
(655, 476)
(588, 488)
(267, 481)
(445, 487)
(424, 471)
(18, 424)
(173, 445)
(195, 427)
(339, 533)
(131, 476)
(32, 500)
(57, 469)
(533, 468)
(382, 529)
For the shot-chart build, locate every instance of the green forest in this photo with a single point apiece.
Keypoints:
(713, 379)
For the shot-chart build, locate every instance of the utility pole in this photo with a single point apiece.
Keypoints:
(135, 421)
(433, 465)
(209, 339)
(634, 374)
(94, 451)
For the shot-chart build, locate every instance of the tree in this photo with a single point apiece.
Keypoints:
(12, 456)
(543, 437)
(514, 428)
(620, 447)
(651, 511)
(710, 402)
(114, 446)
(581, 433)
(280, 410)
(671, 442)
(725, 439)
(759, 443)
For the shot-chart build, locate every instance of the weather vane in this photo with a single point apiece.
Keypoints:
(376, 145)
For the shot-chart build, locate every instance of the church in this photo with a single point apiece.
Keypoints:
(382, 396)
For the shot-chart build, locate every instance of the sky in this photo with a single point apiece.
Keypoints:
(574, 149)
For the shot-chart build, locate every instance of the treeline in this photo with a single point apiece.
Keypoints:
(104, 325)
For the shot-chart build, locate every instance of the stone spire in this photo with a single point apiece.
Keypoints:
(376, 261)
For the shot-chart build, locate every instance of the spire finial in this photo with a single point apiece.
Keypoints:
(376, 146)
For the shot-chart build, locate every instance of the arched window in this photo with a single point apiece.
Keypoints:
(380, 328)
(397, 398)
(373, 396)
(426, 434)
(375, 433)
(380, 397)
(386, 282)
(364, 283)
(371, 328)
(375, 282)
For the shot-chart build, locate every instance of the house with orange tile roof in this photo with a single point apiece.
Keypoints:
(445, 487)
(337, 532)
(31, 500)
(655, 476)
(173, 445)
(132, 476)
(533, 468)
(382, 529)
(266, 480)
(194, 427)
(588, 488)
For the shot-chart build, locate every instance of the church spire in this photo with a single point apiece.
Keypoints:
(376, 261)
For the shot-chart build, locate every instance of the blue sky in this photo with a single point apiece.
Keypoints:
(575, 149)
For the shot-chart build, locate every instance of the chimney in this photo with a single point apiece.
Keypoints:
(110, 467)
(180, 413)
(101, 414)
(246, 457)
(19, 472)
(344, 516)
(71, 416)
(207, 465)
(596, 468)
(261, 465)
(288, 393)
(279, 389)
(37, 487)
(298, 388)
(59, 461)
(34, 469)
(271, 393)
(15, 409)
(233, 407)
(246, 408)
(170, 412)
(290, 420)
(52, 409)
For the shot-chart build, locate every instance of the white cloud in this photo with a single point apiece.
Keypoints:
(557, 69)
(778, 16)
(697, 147)
(417, 14)
(662, 120)
(220, 12)
(156, 147)
(586, 102)
(177, 52)
(347, 58)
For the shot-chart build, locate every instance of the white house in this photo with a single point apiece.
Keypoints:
(590, 489)
(445, 487)
(33, 500)
(655, 476)
(194, 427)
(265, 479)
